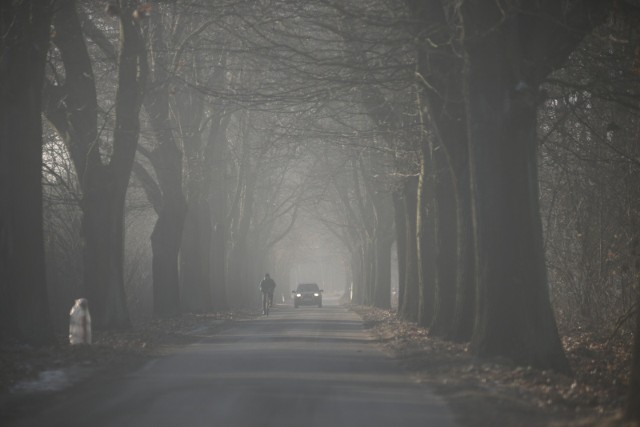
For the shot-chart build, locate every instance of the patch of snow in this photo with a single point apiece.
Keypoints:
(52, 380)
(205, 329)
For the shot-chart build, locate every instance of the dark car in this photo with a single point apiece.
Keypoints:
(307, 294)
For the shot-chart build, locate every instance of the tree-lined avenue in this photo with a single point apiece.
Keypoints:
(310, 366)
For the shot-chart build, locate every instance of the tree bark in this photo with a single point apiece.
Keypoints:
(195, 291)
(514, 317)
(411, 293)
(632, 407)
(425, 239)
(216, 156)
(24, 308)
(166, 237)
(383, 239)
(72, 109)
(464, 315)
(166, 159)
(401, 242)
(195, 295)
(440, 76)
(382, 290)
(445, 237)
(243, 278)
(359, 268)
(508, 53)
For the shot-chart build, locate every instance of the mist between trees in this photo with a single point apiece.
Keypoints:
(189, 147)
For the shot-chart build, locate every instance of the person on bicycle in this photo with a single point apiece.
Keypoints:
(267, 286)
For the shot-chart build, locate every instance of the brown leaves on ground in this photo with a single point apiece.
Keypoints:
(110, 349)
(499, 393)
(480, 392)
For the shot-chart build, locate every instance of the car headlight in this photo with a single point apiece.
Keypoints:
(298, 295)
(316, 295)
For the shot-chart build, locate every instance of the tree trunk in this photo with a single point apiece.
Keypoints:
(401, 242)
(358, 274)
(632, 409)
(166, 159)
(24, 308)
(425, 239)
(381, 255)
(382, 287)
(464, 315)
(218, 266)
(369, 269)
(412, 279)
(103, 232)
(514, 317)
(195, 295)
(242, 280)
(166, 237)
(72, 108)
(439, 63)
(445, 236)
(216, 156)
(195, 291)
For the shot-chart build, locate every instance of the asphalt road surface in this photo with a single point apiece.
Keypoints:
(296, 367)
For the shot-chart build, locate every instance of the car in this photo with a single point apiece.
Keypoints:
(307, 294)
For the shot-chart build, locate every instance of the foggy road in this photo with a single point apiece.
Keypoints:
(296, 367)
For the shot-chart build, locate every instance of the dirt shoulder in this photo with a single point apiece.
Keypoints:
(480, 392)
(498, 393)
(22, 367)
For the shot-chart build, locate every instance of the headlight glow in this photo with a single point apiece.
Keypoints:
(298, 295)
(316, 294)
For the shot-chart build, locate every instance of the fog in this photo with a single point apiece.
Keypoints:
(470, 168)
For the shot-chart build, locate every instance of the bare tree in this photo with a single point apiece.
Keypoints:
(506, 67)
(103, 175)
(24, 311)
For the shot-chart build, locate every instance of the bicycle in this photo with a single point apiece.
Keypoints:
(267, 302)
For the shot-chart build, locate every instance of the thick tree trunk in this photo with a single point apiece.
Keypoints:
(464, 315)
(72, 108)
(425, 240)
(216, 156)
(243, 282)
(382, 287)
(235, 277)
(195, 287)
(514, 317)
(412, 279)
(358, 268)
(103, 232)
(24, 309)
(441, 66)
(369, 277)
(383, 239)
(195, 294)
(166, 237)
(218, 266)
(401, 242)
(445, 236)
(632, 409)
(166, 159)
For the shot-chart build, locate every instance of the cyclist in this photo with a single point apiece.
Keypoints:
(267, 286)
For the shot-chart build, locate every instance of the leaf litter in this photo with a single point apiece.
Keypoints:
(496, 392)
